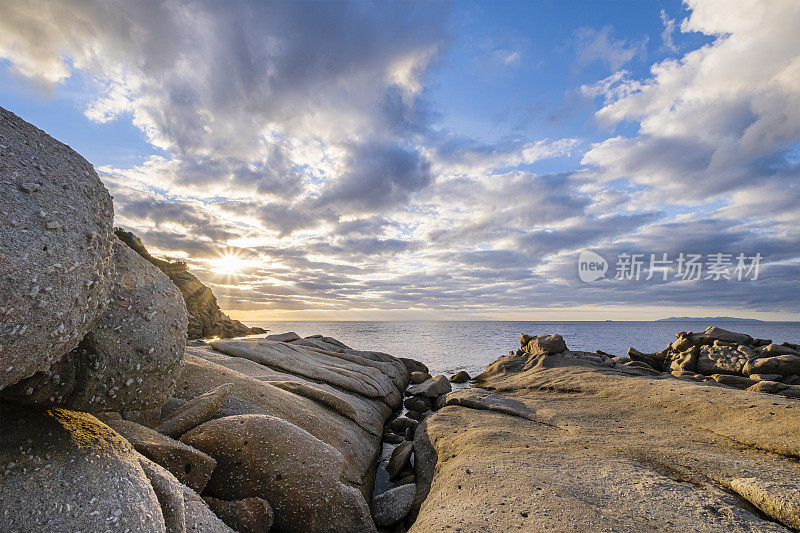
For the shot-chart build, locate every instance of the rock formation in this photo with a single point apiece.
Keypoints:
(205, 318)
(56, 234)
(561, 440)
(240, 434)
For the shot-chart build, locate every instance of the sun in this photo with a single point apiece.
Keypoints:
(228, 264)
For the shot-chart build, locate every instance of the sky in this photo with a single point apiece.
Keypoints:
(435, 160)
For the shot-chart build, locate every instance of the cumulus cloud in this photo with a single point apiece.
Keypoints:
(302, 138)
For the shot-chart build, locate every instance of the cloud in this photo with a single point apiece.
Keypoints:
(669, 30)
(304, 138)
(599, 46)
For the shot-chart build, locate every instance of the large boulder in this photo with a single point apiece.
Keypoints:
(543, 344)
(252, 396)
(132, 357)
(299, 475)
(205, 317)
(56, 233)
(66, 471)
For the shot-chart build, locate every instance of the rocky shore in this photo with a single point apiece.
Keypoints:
(109, 421)
(558, 440)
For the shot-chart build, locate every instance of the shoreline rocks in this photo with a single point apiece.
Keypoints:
(565, 440)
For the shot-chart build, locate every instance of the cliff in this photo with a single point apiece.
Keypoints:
(205, 317)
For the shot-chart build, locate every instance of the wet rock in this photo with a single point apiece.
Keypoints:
(401, 423)
(56, 235)
(415, 415)
(460, 377)
(250, 515)
(400, 459)
(190, 466)
(412, 365)
(392, 437)
(393, 505)
(300, 476)
(433, 388)
(418, 403)
(194, 412)
(66, 471)
(419, 377)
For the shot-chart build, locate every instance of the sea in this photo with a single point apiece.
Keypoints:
(447, 347)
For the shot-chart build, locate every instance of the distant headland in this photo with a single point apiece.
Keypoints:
(706, 318)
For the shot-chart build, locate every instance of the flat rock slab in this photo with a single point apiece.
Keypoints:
(598, 450)
(369, 413)
(351, 371)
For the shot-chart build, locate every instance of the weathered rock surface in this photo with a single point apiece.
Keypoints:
(393, 505)
(132, 356)
(66, 471)
(56, 235)
(205, 317)
(369, 374)
(250, 515)
(194, 412)
(299, 475)
(189, 466)
(577, 441)
(369, 413)
(785, 365)
(199, 518)
(542, 344)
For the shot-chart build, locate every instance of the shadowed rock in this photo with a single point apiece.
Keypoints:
(55, 249)
(131, 358)
(299, 475)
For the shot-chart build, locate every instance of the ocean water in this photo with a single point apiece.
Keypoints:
(447, 347)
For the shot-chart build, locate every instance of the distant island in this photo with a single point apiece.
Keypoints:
(708, 318)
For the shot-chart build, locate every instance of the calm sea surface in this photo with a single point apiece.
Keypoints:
(447, 347)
